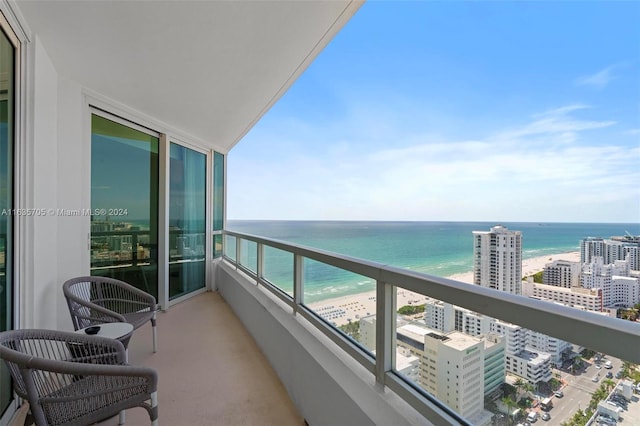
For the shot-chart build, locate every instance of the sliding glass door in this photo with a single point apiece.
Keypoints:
(124, 203)
(187, 220)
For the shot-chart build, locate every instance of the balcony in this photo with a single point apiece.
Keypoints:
(211, 372)
(253, 354)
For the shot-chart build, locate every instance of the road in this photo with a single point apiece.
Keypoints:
(578, 391)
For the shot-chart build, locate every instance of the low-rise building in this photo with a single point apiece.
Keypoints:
(623, 291)
(561, 273)
(589, 299)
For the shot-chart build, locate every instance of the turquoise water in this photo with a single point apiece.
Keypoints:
(437, 248)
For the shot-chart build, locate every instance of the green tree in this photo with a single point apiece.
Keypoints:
(577, 363)
(519, 384)
(529, 388)
(537, 277)
(411, 309)
(351, 329)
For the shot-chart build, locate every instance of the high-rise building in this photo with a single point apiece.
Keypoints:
(497, 259)
(455, 373)
(454, 369)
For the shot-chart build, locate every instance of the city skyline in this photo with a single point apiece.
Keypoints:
(427, 111)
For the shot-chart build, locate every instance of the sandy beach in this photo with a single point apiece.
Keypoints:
(342, 310)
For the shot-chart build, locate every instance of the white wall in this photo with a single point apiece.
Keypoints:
(56, 176)
(74, 188)
(38, 171)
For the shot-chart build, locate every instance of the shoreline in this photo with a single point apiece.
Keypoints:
(344, 309)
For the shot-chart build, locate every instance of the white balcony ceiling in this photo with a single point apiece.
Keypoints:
(209, 69)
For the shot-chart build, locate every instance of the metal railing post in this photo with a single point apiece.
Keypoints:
(134, 249)
(238, 252)
(385, 329)
(259, 262)
(298, 266)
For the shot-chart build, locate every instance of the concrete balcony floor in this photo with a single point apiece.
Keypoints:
(210, 370)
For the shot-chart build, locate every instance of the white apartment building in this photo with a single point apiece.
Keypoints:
(543, 343)
(441, 316)
(453, 371)
(457, 368)
(497, 258)
(611, 250)
(368, 332)
(517, 339)
(587, 299)
(562, 273)
(625, 291)
(520, 359)
(531, 365)
(618, 287)
(633, 256)
(409, 350)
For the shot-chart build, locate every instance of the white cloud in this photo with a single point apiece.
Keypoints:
(557, 121)
(540, 170)
(598, 80)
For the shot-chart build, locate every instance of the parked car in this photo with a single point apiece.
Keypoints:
(595, 378)
(606, 420)
(558, 394)
(620, 401)
(546, 416)
(609, 375)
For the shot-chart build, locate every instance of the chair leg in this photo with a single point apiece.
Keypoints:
(154, 408)
(153, 327)
(121, 417)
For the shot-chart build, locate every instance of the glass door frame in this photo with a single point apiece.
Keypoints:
(97, 107)
(102, 113)
(163, 216)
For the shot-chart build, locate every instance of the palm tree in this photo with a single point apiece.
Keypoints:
(528, 388)
(577, 363)
(609, 384)
(509, 403)
(520, 384)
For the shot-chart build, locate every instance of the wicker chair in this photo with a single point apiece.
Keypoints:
(96, 300)
(75, 379)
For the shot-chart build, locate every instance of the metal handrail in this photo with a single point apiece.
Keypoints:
(588, 329)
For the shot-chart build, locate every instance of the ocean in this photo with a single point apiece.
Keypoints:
(436, 248)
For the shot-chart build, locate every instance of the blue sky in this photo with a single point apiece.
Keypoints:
(487, 111)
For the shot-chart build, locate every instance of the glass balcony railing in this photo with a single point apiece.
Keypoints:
(478, 355)
(131, 256)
